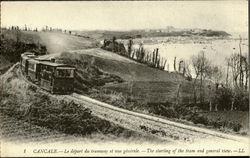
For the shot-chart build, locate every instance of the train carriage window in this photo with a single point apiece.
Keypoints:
(46, 75)
(31, 66)
(64, 72)
(23, 62)
(46, 72)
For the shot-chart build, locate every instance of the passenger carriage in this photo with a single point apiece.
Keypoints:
(53, 77)
(24, 61)
(57, 78)
(34, 70)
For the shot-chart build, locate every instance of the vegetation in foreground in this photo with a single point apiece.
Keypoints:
(24, 102)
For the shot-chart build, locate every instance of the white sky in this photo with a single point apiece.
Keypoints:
(231, 16)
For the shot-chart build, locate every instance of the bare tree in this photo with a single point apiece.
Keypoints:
(178, 94)
(239, 69)
(18, 36)
(202, 69)
(227, 73)
(130, 45)
(240, 65)
(246, 69)
(182, 67)
(216, 76)
(175, 64)
(188, 73)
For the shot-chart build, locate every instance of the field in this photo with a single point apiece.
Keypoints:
(151, 91)
(123, 67)
(139, 81)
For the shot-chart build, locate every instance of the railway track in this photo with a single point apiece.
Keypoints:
(161, 128)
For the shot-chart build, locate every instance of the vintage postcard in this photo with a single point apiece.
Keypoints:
(124, 78)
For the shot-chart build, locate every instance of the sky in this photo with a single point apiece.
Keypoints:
(230, 16)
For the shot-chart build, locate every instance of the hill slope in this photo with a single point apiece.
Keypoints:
(55, 42)
(140, 81)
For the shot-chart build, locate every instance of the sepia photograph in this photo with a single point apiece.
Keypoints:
(124, 78)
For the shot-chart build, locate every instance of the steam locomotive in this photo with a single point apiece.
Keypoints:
(54, 77)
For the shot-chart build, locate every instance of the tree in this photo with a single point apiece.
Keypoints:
(246, 69)
(240, 65)
(186, 70)
(216, 76)
(239, 68)
(202, 69)
(182, 68)
(178, 95)
(175, 64)
(130, 45)
(18, 36)
(113, 41)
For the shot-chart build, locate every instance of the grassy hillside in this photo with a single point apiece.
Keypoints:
(126, 68)
(143, 82)
(55, 42)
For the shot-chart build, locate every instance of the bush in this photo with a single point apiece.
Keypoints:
(12, 50)
(66, 117)
(225, 96)
(242, 100)
(224, 99)
(166, 109)
(196, 118)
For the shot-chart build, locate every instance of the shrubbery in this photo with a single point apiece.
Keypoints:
(181, 112)
(12, 50)
(165, 109)
(67, 117)
(226, 96)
